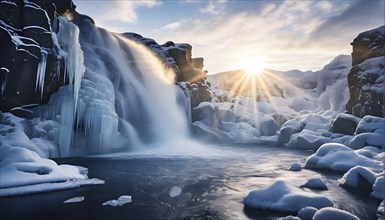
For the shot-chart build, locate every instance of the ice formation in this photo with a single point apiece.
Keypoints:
(68, 38)
(119, 96)
(41, 72)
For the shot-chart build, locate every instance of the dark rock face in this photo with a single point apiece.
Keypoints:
(25, 34)
(200, 92)
(367, 45)
(345, 124)
(366, 78)
(10, 14)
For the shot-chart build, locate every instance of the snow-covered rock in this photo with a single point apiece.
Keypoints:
(316, 183)
(378, 188)
(339, 157)
(307, 213)
(367, 139)
(371, 124)
(290, 217)
(333, 213)
(295, 167)
(380, 211)
(23, 168)
(289, 128)
(284, 196)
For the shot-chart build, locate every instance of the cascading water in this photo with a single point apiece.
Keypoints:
(127, 97)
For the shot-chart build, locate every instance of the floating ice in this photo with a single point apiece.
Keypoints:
(175, 191)
(75, 199)
(119, 202)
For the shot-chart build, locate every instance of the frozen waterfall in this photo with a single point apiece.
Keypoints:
(126, 99)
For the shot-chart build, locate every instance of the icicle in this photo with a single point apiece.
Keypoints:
(4, 79)
(74, 69)
(41, 73)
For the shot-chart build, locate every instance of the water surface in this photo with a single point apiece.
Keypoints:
(214, 181)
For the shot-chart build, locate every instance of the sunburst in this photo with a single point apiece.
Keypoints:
(253, 67)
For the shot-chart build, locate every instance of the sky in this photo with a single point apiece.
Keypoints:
(278, 34)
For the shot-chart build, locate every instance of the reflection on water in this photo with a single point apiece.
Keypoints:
(213, 184)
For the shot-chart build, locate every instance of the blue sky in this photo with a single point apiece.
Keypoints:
(284, 34)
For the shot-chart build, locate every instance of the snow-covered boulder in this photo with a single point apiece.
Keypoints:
(371, 124)
(367, 139)
(316, 183)
(307, 139)
(378, 188)
(289, 128)
(380, 211)
(295, 167)
(290, 217)
(339, 157)
(333, 213)
(307, 213)
(284, 196)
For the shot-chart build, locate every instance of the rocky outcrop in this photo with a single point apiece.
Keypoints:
(27, 30)
(177, 56)
(366, 78)
(345, 124)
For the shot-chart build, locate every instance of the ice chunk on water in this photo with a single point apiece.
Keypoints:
(75, 199)
(119, 202)
(175, 191)
(111, 203)
(123, 200)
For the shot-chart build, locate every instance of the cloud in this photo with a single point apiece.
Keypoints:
(358, 16)
(174, 25)
(324, 5)
(214, 7)
(106, 13)
(287, 35)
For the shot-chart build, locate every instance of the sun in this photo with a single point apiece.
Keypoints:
(253, 67)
